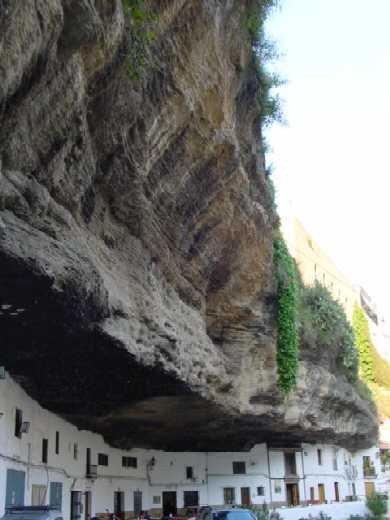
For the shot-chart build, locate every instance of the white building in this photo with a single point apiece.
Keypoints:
(45, 460)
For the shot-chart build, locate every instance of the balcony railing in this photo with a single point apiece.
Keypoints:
(290, 473)
(91, 471)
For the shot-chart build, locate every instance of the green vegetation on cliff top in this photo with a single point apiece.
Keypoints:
(265, 52)
(309, 316)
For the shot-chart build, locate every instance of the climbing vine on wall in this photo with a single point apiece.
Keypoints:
(287, 299)
(363, 344)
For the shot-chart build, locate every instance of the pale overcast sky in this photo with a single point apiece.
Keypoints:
(332, 160)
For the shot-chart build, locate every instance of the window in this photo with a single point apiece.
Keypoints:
(260, 491)
(189, 472)
(229, 495)
(239, 468)
(75, 451)
(37, 494)
(319, 457)
(353, 489)
(312, 498)
(127, 462)
(335, 461)
(156, 499)
(191, 498)
(18, 423)
(57, 446)
(45, 445)
(55, 499)
(102, 459)
(277, 486)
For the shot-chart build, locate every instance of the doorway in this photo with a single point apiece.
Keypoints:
(191, 498)
(290, 464)
(245, 496)
(336, 492)
(292, 492)
(169, 503)
(14, 493)
(76, 505)
(137, 497)
(321, 493)
(56, 495)
(88, 505)
(119, 503)
(370, 488)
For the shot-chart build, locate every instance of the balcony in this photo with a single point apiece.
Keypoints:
(290, 468)
(91, 471)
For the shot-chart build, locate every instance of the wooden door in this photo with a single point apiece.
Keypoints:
(292, 493)
(245, 496)
(169, 503)
(321, 493)
(295, 495)
(336, 492)
(370, 488)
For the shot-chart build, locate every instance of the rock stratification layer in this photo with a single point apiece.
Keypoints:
(136, 232)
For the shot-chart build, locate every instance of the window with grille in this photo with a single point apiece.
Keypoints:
(18, 423)
(129, 462)
(229, 495)
(319, 457)
(102, 459)
(57, 445)
(45, 446)
(239, 468)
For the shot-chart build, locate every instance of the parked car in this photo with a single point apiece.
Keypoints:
(32, 513)
(202, 511)
(227, 513)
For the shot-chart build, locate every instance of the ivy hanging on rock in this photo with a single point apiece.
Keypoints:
(287, 323)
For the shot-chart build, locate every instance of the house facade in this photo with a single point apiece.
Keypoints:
(46, 460)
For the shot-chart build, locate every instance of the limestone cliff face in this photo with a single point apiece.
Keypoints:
(136, 232)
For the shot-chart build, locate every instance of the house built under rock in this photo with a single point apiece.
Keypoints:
(46, 460)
